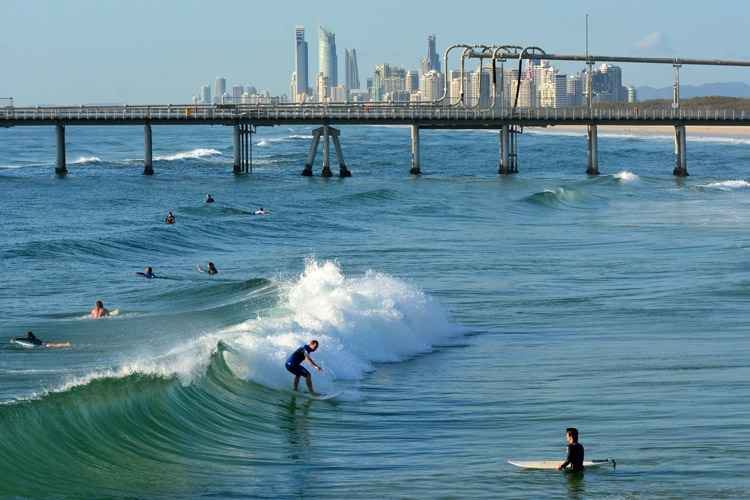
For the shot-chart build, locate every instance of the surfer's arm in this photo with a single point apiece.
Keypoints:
(313, 363)
(566, 462)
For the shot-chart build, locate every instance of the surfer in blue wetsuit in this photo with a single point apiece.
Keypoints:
(575, 451)
(149, 274)
(209, 199)
(294, 365)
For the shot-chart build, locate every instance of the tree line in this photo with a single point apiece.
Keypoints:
(710, 102)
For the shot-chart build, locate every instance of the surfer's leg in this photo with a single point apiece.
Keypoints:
(308, 380)
(296, 382)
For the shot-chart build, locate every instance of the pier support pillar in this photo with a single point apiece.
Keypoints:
(148, 163)
(60, 149)
(593, 154)
(307, 172)
(680, 154)
(237, 149)
(343, 171)
(415, 170)
(504, 151)
(326, 153)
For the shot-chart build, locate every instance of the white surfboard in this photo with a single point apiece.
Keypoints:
(552, 464)
(328, 396)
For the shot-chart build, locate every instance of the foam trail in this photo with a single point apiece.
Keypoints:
(729, 185)
(190, 155)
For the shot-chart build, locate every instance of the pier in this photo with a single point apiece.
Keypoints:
(244, 119)
(502, 115)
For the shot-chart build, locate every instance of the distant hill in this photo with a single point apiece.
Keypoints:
(726, 89)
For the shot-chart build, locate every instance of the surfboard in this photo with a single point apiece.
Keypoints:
(114, 313)
(332, 395)
(23, 343)
(552, 464)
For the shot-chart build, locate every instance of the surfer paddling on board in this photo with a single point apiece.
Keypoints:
(99, 311)
(575, 451)
(211, 269)
(150, 274)
(31, 339)
(293, 365)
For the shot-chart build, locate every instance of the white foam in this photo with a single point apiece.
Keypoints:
(729, 185)
(190, 155)
(626, 177)
(359, 321)
(85, 159)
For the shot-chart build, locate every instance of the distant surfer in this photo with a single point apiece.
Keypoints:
(293, 365)
(169, 219)
(31, 339)
(575, 451)
(209, 199)
(150, 274)
(211, 269)
(99, 311)
(261, 212)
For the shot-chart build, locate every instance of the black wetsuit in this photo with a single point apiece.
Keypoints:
(575, 456)
(31, 339)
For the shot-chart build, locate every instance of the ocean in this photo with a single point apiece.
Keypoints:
(469, 318)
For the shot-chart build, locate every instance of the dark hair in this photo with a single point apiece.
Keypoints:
(99, 303)
(30, 335)
(573, 432)
(315, 342)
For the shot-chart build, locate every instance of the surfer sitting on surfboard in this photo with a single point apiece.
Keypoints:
(293, 365)
(210, 270)
(99, 311)
(575, 451)
(31, 339)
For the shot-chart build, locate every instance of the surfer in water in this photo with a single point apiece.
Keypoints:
(575, 451)
(261, 212)
(169, 219)
(209, 199)
(210, 270)
(31, 339)
(99, 311)
(293, 365)
(149, 274)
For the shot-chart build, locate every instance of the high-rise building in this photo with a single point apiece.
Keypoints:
(632, 93)
(323, 87)
(575, 90)
(352, 73)
(433, 63)
(412, 81)
(237, 91)
(221, 87)
(431, 86)
(205, 94)
(300, 61)
(327, 61)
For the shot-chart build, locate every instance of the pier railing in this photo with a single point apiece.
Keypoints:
(351, 113)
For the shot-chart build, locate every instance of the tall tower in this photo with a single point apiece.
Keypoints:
(433, 63)
(221, 87)
(327, 62)
(352, 73)
(300, 60)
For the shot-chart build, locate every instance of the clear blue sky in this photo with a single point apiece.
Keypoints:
(160, 51)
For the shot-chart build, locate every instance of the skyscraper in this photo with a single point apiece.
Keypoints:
(221, 87)
(327, 61)
(352, 73)
(300, 60)
(433, 63)
(205, 94)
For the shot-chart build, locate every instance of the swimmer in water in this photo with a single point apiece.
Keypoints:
(99, 311)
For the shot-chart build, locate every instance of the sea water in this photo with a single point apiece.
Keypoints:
(468, 317)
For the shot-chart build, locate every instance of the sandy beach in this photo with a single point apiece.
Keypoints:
(661, 129)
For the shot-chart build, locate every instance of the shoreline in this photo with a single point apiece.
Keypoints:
(659, 129)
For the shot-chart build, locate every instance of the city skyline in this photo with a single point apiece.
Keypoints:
(77, 55)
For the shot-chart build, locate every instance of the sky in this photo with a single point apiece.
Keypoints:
(71, 52)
